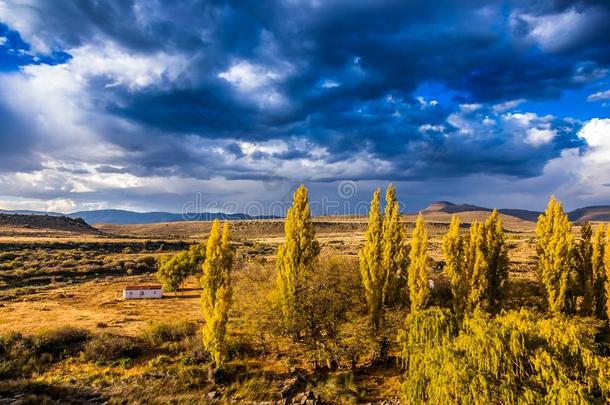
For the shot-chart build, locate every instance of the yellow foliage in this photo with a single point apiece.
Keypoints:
(216, 295)
(295, 257)
(514, 358)
(395, 259)
(597, 270)
(555, 247)
(607, 271)
(374, 276)
(419, 292)
(455, 264)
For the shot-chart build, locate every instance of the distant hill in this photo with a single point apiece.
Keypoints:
(123, 217)
(47, 222)
(129, 217)
(451, 208)
(594, 213)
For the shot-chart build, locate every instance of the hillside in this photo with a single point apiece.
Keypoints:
(17, 224)
(473, 212)
(594, 213)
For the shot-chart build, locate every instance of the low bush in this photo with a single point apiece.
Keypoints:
(109, 347)
(56, 341)
(22, 355)
(160, 333)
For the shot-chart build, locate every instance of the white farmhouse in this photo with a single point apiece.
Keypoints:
(142, 291)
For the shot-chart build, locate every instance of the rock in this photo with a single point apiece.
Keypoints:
(212, 396)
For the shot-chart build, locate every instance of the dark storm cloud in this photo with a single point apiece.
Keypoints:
(342, 75)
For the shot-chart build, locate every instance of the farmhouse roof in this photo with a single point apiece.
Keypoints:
(143, 287)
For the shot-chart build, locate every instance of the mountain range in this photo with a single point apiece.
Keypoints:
(593, 213)
(123, 217)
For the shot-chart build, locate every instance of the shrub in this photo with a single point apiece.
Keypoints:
(56, 341)
(161, 332)
(108, 347)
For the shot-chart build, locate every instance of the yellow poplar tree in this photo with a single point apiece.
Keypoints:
(599, 273)
(496, 257)
(555, 249)
(216, 295)
(295, 257)
(607, 272)
(419, 291)
(374, 276)
(455, 264)
(584, 269)
(476, 268)
(395, 257)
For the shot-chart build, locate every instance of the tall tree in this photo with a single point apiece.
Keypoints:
(555, 247)
(295, 257)
(395, 258)
(496, 257)
(419, 291)
(374, 276)
(599, 273)
(216, 295)
(476, 268)
(585, 278)
(455, 265)
(607, 272)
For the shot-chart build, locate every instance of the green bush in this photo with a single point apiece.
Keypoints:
(108, 347)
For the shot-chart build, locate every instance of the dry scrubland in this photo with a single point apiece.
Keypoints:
(75, 339)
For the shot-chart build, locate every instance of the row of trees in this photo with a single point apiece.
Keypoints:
(394, 271)
(575, 273)
(477, 266)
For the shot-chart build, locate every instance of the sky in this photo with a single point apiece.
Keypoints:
(212, 105)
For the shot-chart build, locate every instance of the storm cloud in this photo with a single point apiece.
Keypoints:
(110, 102)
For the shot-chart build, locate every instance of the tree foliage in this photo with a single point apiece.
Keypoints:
(513, 358)
(585, 277)
(455, 265)
(395, 255)
(419, 261)
(496, 257)
(555, 245)
(598, 271)
(174, 269)
(295, 257)
(374, 276)
(477, 267)
(216, 295)
(384, 258)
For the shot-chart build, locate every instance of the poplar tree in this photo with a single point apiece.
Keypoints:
(374, 276)
(599, 273)
(295, 257)
(216, 295)
(395, 257)
(419, 291)
(455, 265)
(496, 257)
(584, 269)
(476, 268)
(607, 272)
(555, 247)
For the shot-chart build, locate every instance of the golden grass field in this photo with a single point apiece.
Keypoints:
(79, 284)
